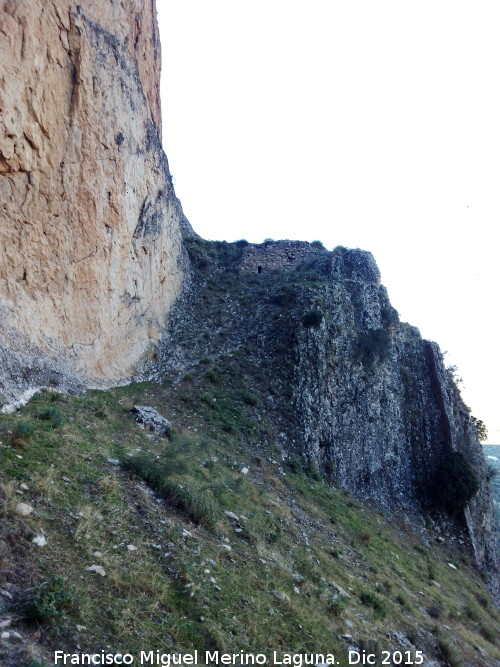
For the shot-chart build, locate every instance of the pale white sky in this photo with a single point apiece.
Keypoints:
(359, 123)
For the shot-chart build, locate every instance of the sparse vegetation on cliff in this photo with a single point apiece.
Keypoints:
(312, 319)
(482, 431)
(372, 346)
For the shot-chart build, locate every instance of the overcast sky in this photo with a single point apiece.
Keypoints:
(359, 123)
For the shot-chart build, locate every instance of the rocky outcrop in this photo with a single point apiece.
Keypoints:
(353, 392)
(381, 416)
(90, 226)
(151, 419)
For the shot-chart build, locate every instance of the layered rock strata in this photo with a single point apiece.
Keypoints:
(90, 228)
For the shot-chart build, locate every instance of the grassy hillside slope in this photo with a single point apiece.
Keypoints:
(296, 566)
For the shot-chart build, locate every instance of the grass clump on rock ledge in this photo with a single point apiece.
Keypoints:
(372, 346)
(312, 319)
(371, 599)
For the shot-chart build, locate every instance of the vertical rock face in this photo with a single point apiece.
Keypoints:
(351, 389)
(381, 416)
(90, 228)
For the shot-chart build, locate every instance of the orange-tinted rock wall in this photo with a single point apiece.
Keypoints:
(90, 238)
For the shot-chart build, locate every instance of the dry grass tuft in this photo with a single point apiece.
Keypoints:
(45, 484)
(88, 517)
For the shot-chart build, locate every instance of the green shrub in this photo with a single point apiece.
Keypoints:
(312, 277)
(312, 470)
(197, 505)
(242, 243)
(448, 653)
(329, 468)
(285, 298)
(389, 315)
(275, 535)
(482, 431)
(295, 465)
(489, 634)
(372, 346)
(213, 375)
(318, 245)
(313, 318)
(434, 612)
(400, 599)
(453, 484)
(483, 601)
(473, 611)
(22, 433)
(339, 250)
(249, 398)
(51, 603)
(491, 473)
(52, 415)
(337, 604)
(371, 599)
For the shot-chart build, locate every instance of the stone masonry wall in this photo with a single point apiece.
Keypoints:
(277, 256)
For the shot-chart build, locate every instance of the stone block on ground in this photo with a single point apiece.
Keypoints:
(152, 419)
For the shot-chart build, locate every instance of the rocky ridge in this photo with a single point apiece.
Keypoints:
(354, 391)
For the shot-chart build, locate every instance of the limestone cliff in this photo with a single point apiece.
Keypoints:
(93, 261)
(353, 391)
(90, 227)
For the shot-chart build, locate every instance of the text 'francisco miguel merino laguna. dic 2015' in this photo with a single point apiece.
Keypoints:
(210, 658)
